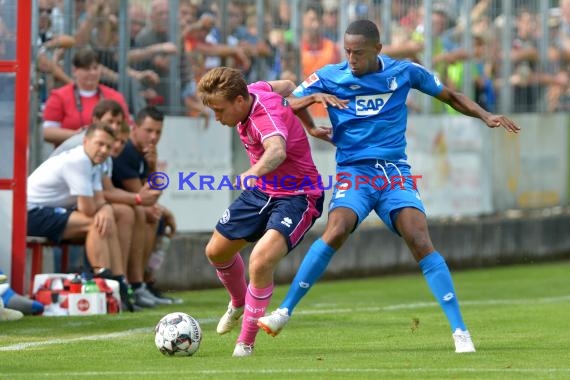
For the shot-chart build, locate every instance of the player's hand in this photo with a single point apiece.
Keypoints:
(104, 219)
(330, 100)
(496, 121)
(150, 156)
(245, 181)
(169, 222)
(149, 196)
(153, 213)
(323, 133)
(148, 76)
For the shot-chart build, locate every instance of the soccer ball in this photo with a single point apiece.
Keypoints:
(177, 334)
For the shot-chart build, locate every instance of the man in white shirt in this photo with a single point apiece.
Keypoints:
(65, 201)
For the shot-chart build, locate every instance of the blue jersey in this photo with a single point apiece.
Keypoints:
(374, 124)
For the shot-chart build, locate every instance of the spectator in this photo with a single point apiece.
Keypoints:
(68, 109)
(128, 207)
(240, 37)
(130, 172)
(65, 201)
(51, 48)
(330, 20)
(159, 62)
(316, 49)
(100, 31)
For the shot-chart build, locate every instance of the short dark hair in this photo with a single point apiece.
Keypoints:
(107, 105)
(149, 111)
(84, 58)
(93, 127)
(365, 28)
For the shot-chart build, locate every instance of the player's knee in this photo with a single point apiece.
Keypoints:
(258, 268)
(419, 243)
(338, 232)
(211, 252)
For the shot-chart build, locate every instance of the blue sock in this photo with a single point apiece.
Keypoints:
(311, 269)
(439, 280)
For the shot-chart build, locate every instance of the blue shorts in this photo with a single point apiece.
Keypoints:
(255, 212)
(383, 186)
(49, 222)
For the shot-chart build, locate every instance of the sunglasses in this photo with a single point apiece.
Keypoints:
(45, 10)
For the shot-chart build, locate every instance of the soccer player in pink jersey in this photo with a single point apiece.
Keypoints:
(281, 200)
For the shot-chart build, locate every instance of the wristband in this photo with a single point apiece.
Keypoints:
(138, 199)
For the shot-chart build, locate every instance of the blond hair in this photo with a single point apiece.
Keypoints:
(222, 81)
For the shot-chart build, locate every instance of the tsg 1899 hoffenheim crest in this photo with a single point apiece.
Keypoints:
(392, 83)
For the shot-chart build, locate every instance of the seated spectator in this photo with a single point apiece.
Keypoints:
(128, 207)
(130, 172)
(68, 109)
(65, 202)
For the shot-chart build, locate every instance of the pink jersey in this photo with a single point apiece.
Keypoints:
(271, 115)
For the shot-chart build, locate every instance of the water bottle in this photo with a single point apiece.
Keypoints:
(75, 284)
(90, 287)
(157, 257)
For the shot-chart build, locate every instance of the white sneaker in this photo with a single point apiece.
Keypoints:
(9, 314)
(274, 322)
(230, 319)
(463, 341)
(243, 350)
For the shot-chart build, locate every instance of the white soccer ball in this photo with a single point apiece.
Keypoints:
(178, 334)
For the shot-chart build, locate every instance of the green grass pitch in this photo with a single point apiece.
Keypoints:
(387, 327)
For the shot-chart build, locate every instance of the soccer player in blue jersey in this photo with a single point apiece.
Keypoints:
(366, 95)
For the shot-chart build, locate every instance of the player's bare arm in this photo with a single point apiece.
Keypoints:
(320, 132)
(283, 87)
(275, 153)
(148, 196)
(325, 99)
(468, 107)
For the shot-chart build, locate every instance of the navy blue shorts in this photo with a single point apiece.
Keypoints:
(48, 222)
(255, 212)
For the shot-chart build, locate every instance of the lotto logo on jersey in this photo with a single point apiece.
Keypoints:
(371, 104)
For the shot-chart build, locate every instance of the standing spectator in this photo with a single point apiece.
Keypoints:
(51, 48)
(159, 62)
(316, 49)
(69, 108)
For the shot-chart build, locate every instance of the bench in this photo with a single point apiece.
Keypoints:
(36, 244)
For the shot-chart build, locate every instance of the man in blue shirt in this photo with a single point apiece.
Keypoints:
(366, 95)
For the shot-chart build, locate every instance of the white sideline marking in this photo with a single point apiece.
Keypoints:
(394, 371)
(416, 305)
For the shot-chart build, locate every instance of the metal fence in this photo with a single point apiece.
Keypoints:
(509, 55)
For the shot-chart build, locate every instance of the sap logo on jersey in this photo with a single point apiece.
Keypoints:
(371, 104)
